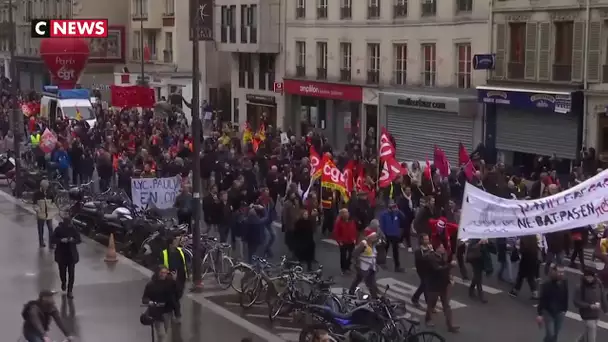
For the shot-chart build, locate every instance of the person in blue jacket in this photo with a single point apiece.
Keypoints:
(61, 159)
(390, 224)
(255, 231)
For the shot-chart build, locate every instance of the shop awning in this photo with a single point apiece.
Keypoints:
(557, 101)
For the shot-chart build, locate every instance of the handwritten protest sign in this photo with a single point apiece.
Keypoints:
(488, 216)
(155, 192)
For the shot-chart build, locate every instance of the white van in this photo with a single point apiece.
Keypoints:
(74, 104)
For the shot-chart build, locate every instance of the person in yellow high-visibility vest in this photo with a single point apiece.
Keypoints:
(174, 259)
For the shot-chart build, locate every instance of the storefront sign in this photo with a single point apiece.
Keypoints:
(558, 102)
(409, 102)
(484, 61)
(277, 87)
(261, 99)
(324, 90)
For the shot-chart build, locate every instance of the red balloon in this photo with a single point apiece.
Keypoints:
(65, 58)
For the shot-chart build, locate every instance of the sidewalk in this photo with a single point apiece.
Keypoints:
(107, 297)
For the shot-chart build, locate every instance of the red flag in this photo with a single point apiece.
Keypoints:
(147, 53)
(386, 148)
(469, 170)
(441, 162)
(349, 171)
(390, 171)
(360, 180)
(463, 155)
(256, 145)
(332, 178)
(427, 170)
(316, 168)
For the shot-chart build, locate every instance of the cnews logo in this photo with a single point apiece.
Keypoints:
(80, 28)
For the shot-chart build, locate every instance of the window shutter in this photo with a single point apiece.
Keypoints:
(595, 51)
(578, 41)
(501, 51)
(531, 47)
(544, 54)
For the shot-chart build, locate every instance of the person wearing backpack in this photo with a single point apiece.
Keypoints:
(37, 315)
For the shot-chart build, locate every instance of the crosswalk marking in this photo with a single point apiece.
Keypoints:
(485, 287)
(577, 317)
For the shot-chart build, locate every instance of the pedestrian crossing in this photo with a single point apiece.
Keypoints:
(589, 262)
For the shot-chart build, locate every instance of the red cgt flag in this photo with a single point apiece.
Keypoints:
(463, 155)
(386, 149)
(316, 167)
(390, 171)
(333, 178)
(441, 162)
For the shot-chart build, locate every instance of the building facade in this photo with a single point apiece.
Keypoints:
(6, 28)
(252, 33)
(548, 54)
(159, 40)
(106, 53)
(406, 65)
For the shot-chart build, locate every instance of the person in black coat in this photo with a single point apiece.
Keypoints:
(65, 238)
(303, 233)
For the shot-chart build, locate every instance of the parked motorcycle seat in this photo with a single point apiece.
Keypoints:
(110, 217)
(33, 173)
(89, 206)
(327, 311)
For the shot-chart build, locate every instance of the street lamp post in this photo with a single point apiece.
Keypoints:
(16, 112)
(141, 43)
(197, 278)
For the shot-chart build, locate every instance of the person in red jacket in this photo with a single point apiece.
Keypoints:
(441, 232)
(345, 234)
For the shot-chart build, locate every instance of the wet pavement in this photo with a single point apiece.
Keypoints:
(107, 297)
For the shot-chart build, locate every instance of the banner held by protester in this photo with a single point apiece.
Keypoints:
(487, 216)
(155, 192)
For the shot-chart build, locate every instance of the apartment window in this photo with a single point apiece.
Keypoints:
(321, 60)
(346, 50)
(244, 26)
(266, 71)
(429, 8)
(140, 9)
(224, 20)
(168, 52)
(232, 23)
(169, 7)
(463, 76)
(45, 8)
(235, 111)
(373, 63)
(346, 9)
(300, 59)
(137, 43)
(400, 9)
(400, 64)
(301, 9)
(517, 50)
(58, 13)
(465, 6)
(151, 44)
(429, 72)
(373, 9)
(252, 22)
(29, 10)
(245, 71)
(564, 35)
(321, 9)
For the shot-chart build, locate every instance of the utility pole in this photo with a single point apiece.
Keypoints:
(17, 115)
(197, 277)
(141, 43)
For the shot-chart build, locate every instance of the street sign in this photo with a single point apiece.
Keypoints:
(278, 87)
(484, 61)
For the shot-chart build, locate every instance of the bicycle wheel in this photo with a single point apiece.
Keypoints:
(276, 305)
(224, 272)
(207, 264)
(250, 290)
(425, 336)
(245, 274)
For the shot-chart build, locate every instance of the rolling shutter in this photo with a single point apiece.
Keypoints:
(537, 133)
(416, 133)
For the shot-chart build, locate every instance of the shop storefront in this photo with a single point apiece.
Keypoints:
(31, 73)
(595, 134)
(331, 109)
(261, 109)
(522, 124)
(420, 122)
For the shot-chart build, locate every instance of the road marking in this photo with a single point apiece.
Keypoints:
(333, 242)
(289, 336)
(486, 288)
(408, 291)
(577, 317)
(215, 308)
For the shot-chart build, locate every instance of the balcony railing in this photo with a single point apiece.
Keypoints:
(399, 77)
(400, 11)
(516, 70)
(139, 16)
(167, 56)
(346, 12)
(345, 75)
(562, 72)
(300, 71)
(373, 12)
(429, 9)
(321, 73)
(300, 12)
(321, 12)
(168, 14)
(373, 77)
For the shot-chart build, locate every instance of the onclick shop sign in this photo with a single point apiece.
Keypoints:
(155, 192)
(488, 216)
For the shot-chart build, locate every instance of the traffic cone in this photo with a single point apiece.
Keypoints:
(111, 252)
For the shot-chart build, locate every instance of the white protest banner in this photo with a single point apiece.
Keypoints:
(155, 192)
(284, 138)
(484, 215)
